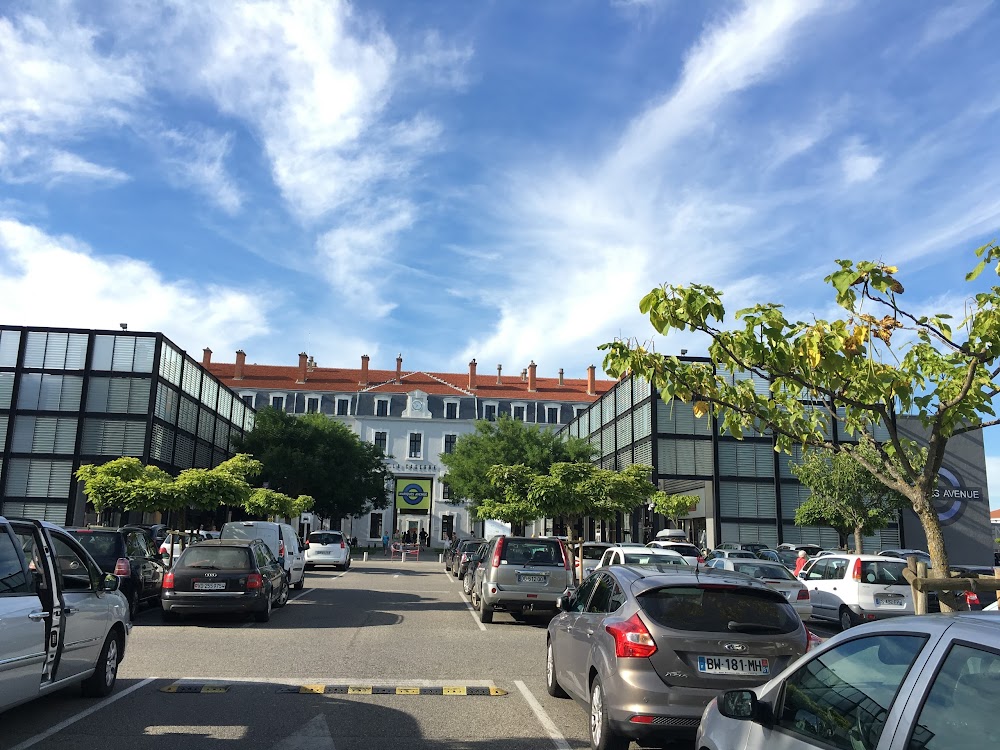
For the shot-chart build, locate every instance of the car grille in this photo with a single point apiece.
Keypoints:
(675, 721)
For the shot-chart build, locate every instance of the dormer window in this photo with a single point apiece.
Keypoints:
(381, 407)
(343, 406)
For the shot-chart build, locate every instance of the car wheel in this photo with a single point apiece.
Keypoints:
(265, 616)
(551, 683)
(602, 736)
(282, 597)
(301, 584)
(485, 612)
(475, 598)
(347, 565)
(846, 619)
(102, 682)
(467, 585)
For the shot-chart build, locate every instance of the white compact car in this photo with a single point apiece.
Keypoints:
(639, 555)
(328, 548)
(850, 589)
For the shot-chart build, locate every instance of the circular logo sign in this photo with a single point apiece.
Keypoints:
(413, 494)
(949, 505)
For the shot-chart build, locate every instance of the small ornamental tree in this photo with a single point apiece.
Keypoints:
(126, 484)
(674, 507)
(266, 503)
(877, 362)
(845, 495)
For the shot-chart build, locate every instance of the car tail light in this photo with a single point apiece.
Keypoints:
(642, 719)
(812, 640)
(163, 549)
(498, 552)
(803, 595)
(562, 548)
(701, 559)
(168, 581)
(281, 548)
(255, 581)
(342, 542)
(465, 558)
(971, 598)
(856, 573)
(632, 638)
(122, 567)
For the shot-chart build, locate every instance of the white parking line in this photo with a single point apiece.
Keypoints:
(543, 718)
(468, 604)
(82, 715)
(299, 596)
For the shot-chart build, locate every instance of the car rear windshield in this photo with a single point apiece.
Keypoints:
(102, 545)
(687, 550)
(593, 553)
(720, 609)
(774, 572)
(219, 558)
(883, 573)
(646, 558)
(532, 552)
(326, 537)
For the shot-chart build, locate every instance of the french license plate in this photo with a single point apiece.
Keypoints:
(740, 665)
(203, 586)
(322, 552)
(890, 601)
(522, 578)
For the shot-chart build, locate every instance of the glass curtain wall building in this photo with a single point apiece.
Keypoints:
(745, 491)
(70, 397)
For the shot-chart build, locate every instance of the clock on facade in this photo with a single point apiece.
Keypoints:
(417, 404)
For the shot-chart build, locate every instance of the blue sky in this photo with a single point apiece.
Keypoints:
(499, 180)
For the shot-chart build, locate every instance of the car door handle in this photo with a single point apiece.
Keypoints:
(70, 610)
(36, 616)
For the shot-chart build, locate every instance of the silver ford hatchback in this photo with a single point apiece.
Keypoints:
(646, 649)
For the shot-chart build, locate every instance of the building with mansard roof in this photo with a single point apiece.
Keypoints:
(414, 416)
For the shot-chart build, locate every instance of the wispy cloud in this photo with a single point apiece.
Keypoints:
(858, 163)
(619, 228)
(59, 281)
(197, 158)
(951, 20)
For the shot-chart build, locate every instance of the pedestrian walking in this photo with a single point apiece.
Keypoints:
(385, 542)
(800, 563)
(423, 538)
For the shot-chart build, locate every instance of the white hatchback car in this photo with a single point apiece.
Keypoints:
(850, 589)
(328, 548)
(639, 555)
(690, 553)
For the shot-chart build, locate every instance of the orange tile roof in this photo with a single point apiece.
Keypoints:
(346, 380)
(995, 515)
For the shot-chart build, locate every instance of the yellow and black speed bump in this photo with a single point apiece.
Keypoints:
(462, 690)
(195, 689)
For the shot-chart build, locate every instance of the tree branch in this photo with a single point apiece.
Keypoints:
(972, 427)
(937, 333)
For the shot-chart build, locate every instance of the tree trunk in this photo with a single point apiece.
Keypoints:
(858, 542)
(939, 555)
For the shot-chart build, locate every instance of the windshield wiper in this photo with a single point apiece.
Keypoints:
(753, 627)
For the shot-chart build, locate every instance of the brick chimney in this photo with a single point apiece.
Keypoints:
(364, 370)
(524, 375)
(303, 359)
(473, 384)
(399, 369)
(591, 381)
(241, 360)
(499, 374)
(561, 379)
(206, 357)
(532, 384)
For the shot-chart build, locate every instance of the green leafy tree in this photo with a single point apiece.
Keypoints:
(266, 503)
(506, 442)
(674, 507)
(125, 484)
(319, 457)
(845, 495)
(946, 377)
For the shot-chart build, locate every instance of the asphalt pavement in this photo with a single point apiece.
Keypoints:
(386, 655)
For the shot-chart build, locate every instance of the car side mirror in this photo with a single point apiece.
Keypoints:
(305, 546)
(110, 582)
(743, 705)
(565, 602)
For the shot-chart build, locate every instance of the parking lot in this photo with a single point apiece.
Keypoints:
(386, 655)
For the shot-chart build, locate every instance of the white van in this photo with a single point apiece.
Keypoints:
(280, 538)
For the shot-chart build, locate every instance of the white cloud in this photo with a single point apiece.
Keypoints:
(196, 158)
(58, 281)
(66, 166)
(440, 63)
(857, 163)
(952, 20)
(614, 230)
